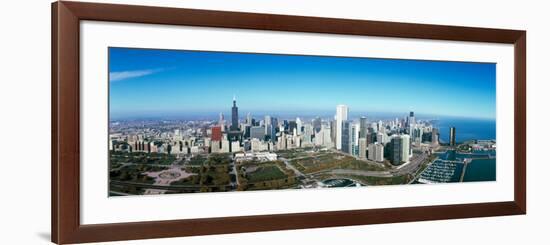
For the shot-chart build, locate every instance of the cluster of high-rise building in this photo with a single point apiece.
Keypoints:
(391, 140)
(379, 141)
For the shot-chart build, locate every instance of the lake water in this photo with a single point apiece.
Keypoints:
(466, 129)
(481, 170)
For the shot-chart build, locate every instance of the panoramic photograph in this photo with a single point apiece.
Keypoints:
(185, 121)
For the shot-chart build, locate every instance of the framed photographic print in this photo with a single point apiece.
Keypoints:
(177, 122)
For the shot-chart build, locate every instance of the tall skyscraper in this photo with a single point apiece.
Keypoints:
(317, 124)
(333, 131)
(412, 120)
(234, 134)
(379, 150)
(396, 151)
(267, 124)
(374, 127)
(246, 131)
(354, 139)
(248, 119)
(323, 137)
(381, 138)
(234, 115)
(341, 116)
(371, 136)
(345, 141)
(225, 146)
(299, 126)
(270, 130)
(405, 147)
(376, 152)
(435, 136)
(257, 132)
(221, 122)
(292, 127)
(216, 133)
(363, 127)
(275, 122)
(327, 137)
(362, 148)
(452, 136)
(417, 134)
(308, 132)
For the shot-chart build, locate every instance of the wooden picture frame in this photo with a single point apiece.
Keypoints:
(65, 169)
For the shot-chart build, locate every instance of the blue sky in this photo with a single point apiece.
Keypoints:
(147, 82)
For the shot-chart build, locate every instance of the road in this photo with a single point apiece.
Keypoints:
(160, 187)
(152, 165)
(411, 167)
(361, 172)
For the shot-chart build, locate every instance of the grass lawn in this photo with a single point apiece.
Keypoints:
(218, 159)
(371, 180)
(197, 160)
(211, 159)
(266, 173)
(134, 173)
(327, 161)
(362, 165)
(116, 158)
(294, 153)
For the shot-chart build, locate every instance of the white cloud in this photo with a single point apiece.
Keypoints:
(122, 75)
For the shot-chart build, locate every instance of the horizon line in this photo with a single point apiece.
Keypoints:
(214, 115)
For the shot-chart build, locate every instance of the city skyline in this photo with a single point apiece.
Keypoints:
(157, 83)
(170, 157)
(247, 122)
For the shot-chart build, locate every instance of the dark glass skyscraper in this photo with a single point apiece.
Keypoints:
(291, 126)
(452, 136)
(396, 153)
(363, 127)
(234, 116)
(317, 124)
(371, 136)
(411, 121)
(346, 137)
(257, 132)
(234, 134)
(333, 130)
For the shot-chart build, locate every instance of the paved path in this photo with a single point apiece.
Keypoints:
(146, 164)
(235, 172)
(289, 166)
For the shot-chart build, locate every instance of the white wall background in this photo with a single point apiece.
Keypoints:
(25, 121)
